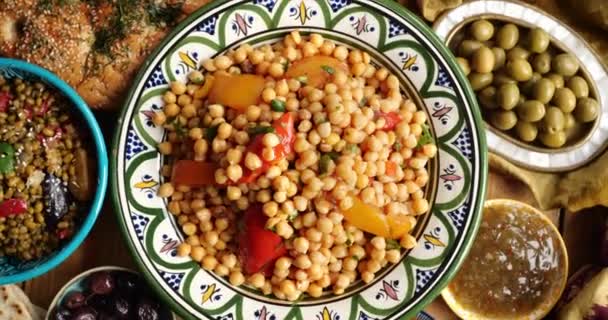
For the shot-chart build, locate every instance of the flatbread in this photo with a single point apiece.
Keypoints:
(15, 305)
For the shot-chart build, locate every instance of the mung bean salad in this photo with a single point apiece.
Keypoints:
(45, 170)
(296, 167)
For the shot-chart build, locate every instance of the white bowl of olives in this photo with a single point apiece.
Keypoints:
(536, 81)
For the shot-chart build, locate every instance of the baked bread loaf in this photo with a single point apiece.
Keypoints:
(96, 46)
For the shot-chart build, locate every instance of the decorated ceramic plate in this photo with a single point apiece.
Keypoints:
(394, 38)
(572, 155)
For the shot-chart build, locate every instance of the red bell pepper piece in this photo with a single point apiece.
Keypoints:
(258, 248)
(5, 98)
(284, 128)
(193, 173)
(392, 119)
(12, 207)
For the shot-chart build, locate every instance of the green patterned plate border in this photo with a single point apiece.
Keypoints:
(394, 38)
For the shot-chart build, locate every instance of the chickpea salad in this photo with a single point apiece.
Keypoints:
(46, 172)
(297, 167)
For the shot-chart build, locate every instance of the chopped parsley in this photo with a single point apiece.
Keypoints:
(352, 148)
(425, 137)
(211, 132)
(163, 15)
(397, 146)
(363, 102)
(302, 79)
(179, 128)
(356, 258)
(292, 216)
(392, 244)
(260, 130)
(328, 69)
(277, 105)
(326, 160)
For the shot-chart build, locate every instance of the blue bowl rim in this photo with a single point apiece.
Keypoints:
(102, 169)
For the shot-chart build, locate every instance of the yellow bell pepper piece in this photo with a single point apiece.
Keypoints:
(203, 91)
(371, 219)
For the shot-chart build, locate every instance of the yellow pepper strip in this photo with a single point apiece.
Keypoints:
(371, 219)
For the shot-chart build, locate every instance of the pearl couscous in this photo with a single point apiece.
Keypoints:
(293, 168)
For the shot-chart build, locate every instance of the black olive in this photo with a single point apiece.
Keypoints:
(56, 199)
(145, 311)
(101, 283)
(62, 314)
(127, 283)
(85, 313)
(121, 307)
(75, 300)
(100, 302)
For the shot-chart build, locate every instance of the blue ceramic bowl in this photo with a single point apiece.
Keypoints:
(13, 270)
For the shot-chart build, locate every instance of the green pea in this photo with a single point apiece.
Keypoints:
(500, 57)
(468, 47)
(554, 120)
(526, 131)
(487, 98)
(464, 65)
(480, 80)
(586, 110)
(507, 36)
(503, 120)
(482, 30)
(553, 140)
(565, 64)
(564, 99)
(579, 86)
(508, 96)
(569, 121)
(501, 78)
(557, 79)
(531, 111)
(543, 90)
(518, 53)
(519, 69)
(538, 40)
(528, 86)
(483, 60)
(542, 63)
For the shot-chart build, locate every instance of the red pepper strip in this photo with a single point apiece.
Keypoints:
(258, 248)
(193, 173)
(5, 98)
(392, 119)
(12, 207)
(284, 128)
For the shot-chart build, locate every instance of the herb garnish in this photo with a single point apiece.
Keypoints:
(163, 15)
(211, 133)
(302, 79)
(277, 105)
(328, 69)
(260, 130)
(425, 137)
(392, 244)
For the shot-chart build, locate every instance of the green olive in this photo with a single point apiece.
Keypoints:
(501, 78)
(554, 120)
(503, 120)
(531, 110)
(557, 79)
(528, 86)
(579, 86)
(480, 80)
(543, 90)
(565, 64)
(542, 63)
(500, 57)
(487, 98)
(464, 65)
(564, 99)
(507, 96)
(538, 40)
(569, 121)
(519, 69)
(526, 131)
(468, 47)
(553, 140)
(586, 110)
(507, 36)
(482, 30)
(483, 60)
(518, 53)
